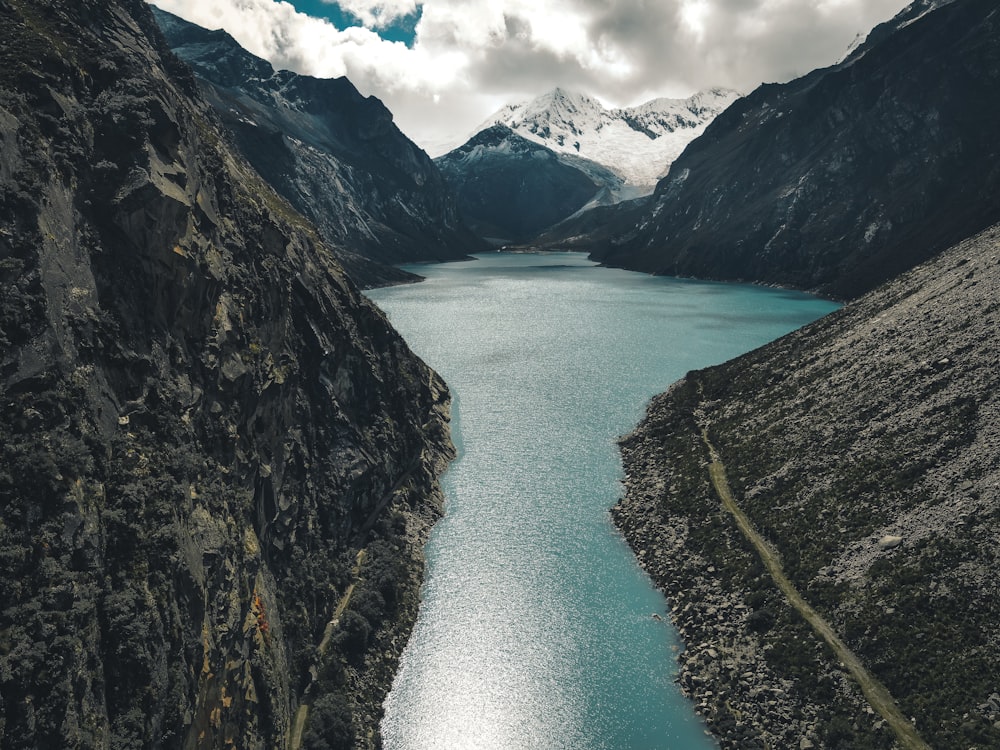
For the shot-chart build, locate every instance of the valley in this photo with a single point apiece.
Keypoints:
(245, 505)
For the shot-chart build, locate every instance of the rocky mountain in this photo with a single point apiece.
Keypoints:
(334, 154)
(841, 179)
(534, 165)
(863, 449)
(509, 188)
(637, 144)
(218, 461)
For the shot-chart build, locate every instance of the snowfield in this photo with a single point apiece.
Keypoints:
(637, 143)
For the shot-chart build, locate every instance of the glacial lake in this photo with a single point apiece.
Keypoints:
(536, 630)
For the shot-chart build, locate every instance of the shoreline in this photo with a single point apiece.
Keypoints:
(731, 669)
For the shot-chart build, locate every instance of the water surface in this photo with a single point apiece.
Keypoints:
(536, 630)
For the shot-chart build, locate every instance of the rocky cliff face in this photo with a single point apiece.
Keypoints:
(202, 422)
(510, 188)
(841, 179)
(334, 154)
(864, 448)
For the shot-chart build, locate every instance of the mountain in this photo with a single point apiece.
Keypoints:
(218, 461)
(509, 188)
(841, 179)
(637, 144)
(536, 164)
(334, 154)
(863, 448)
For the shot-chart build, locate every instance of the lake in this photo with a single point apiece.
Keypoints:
(537, 627)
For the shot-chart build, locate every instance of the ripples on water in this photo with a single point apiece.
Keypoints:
(536, 627)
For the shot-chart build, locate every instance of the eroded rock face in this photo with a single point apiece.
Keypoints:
(202, 420)
(334, 154)
(864, 449)
(841, 179)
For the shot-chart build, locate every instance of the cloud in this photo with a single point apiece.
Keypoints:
(469, 57)
(379, 14)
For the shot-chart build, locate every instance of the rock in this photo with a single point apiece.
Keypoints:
(334, 154)
(176, 523)
(778, 161)
(889, 541)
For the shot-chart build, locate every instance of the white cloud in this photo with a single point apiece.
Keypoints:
(694, 16)
(378, 14)
(471, 56)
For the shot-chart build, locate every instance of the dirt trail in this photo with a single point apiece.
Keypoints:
(874, 691)
(302, 714)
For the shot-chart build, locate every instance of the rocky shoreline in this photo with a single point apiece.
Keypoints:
(863, 447)
(723, 668)
(419, 501)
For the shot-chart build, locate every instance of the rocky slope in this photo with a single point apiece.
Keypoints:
(509, 188)
(334, 154)
(841, 179)
(864, 448)
(637, 144)
(202, 422)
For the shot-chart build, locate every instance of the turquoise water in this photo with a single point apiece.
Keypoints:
(536, 629)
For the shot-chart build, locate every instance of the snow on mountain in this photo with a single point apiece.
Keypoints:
(637, 143)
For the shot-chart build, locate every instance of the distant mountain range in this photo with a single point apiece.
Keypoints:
(535, 164)
(638, 144)
(835, 181)
(334, 154)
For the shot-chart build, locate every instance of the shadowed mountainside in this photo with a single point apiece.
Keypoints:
(839, 180)
(510, 188)
(202, 421)
(336, 155)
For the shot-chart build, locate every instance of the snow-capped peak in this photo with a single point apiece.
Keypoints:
(638, 143)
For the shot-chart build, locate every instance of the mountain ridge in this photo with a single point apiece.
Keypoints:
(335, 154)
(510, 188)
(637, 143)
(838, 180)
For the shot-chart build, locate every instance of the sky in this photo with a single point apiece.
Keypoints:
(444, 66)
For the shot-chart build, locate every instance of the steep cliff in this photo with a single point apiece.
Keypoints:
(334, 154)
(841, 179)
(864, 449)
(217, 459)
